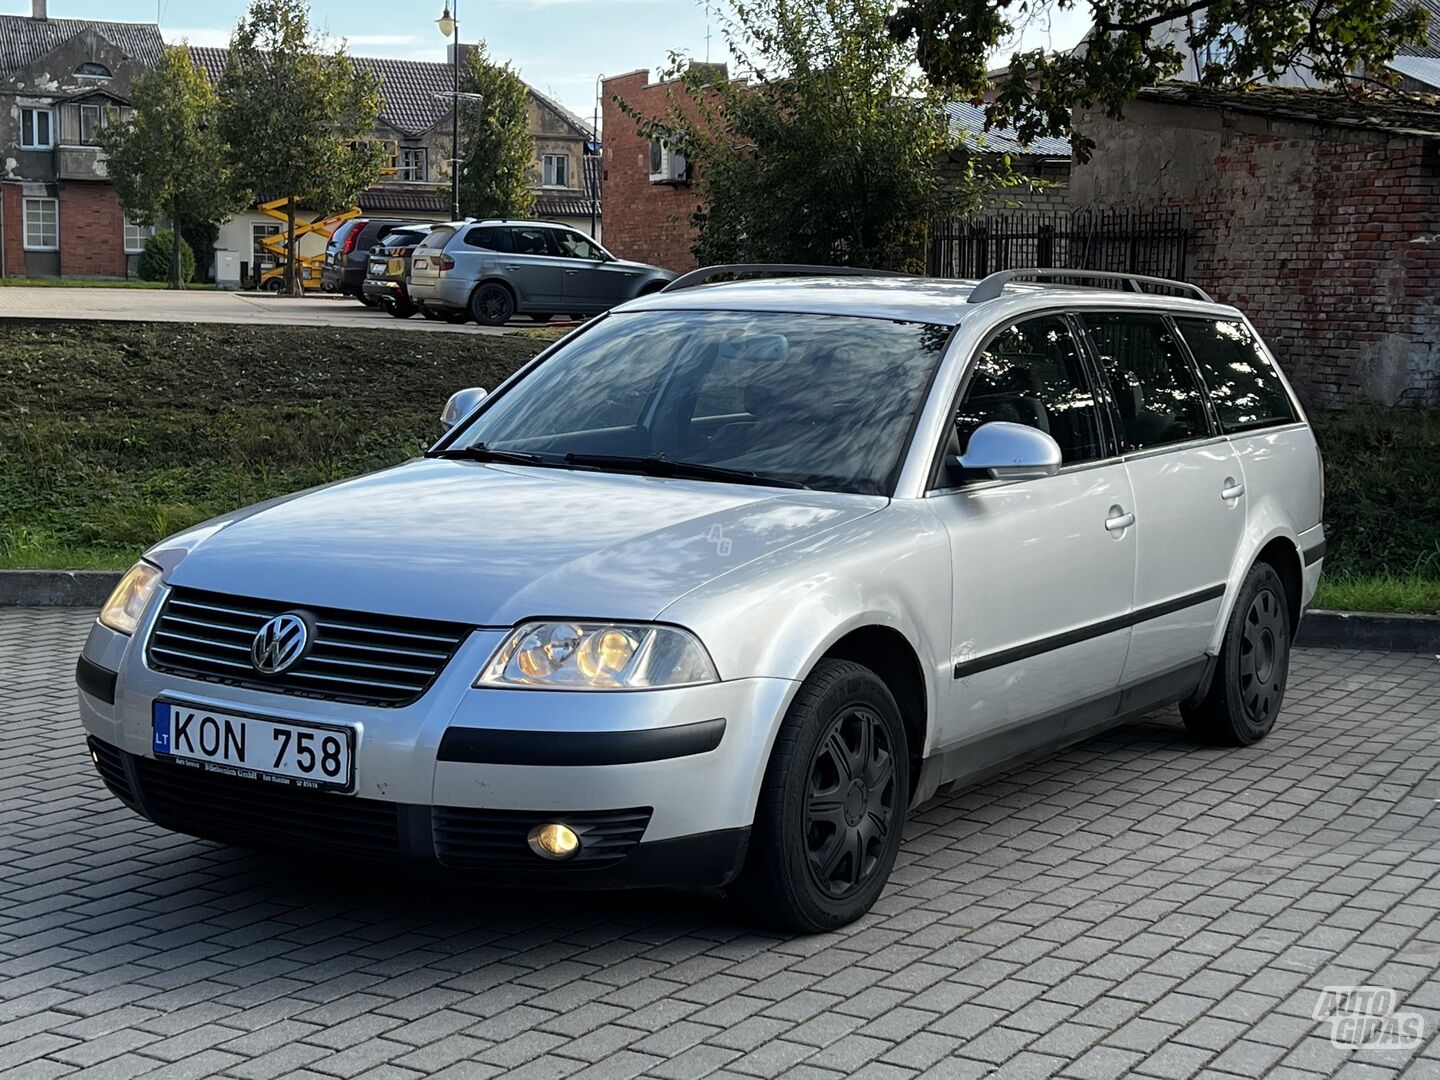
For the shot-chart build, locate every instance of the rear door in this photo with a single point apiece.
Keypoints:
(533, 267)
(1188, 484)
(1044, 570)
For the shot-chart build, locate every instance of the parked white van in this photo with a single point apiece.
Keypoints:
(717, 588)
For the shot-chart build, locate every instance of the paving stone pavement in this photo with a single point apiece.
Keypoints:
(1136, 906)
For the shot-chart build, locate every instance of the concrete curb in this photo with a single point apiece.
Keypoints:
(1319, 630)
(1368, 630)
(56, 588)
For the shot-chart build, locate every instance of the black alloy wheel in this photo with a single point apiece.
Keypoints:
(850, 803)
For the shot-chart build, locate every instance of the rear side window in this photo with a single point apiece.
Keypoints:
(1031, 374)
(533, 242)
(1243, 384)
(1159, 398)
(489, 238)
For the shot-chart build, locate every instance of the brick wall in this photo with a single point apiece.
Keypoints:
(14, 238)
(643, 221)
(92, 231)
(1328, 237)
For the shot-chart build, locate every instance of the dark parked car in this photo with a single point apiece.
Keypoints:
(386, 268)
(494, 269)
(345, 254)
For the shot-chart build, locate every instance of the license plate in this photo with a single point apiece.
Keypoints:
(377, 268)
(422, 264)
(279, 751)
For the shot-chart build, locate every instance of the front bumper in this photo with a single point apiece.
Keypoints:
(458, 751)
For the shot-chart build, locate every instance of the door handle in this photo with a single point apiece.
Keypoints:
(512, 267)
(571, 273)
(1231, 490)
(1119, 520)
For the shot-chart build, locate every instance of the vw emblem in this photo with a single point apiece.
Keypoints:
(279, 644)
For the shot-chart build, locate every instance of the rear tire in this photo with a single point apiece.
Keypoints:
(492, 305)
(401, 311)
(833, 805)
(368, 301)
(1248, 687)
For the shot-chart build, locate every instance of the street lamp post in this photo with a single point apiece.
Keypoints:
(449, 25)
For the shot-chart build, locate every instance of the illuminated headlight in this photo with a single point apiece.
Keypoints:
(127, 603)
(598, 656)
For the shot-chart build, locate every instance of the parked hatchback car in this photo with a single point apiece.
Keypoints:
(347, 251)
(720, 586)
(388, 267)
(493, 270)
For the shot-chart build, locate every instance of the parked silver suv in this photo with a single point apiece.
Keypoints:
(493, 270)
(717, 588)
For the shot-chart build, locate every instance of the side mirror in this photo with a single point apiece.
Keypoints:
(1010, 452)
(461, 404)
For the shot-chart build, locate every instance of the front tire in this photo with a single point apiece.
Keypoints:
(492, 305)
(833, 804)
(1248, 688)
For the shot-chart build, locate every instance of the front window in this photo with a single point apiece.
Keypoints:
(557, 170)
(35, 129)
(824, 401)
(577, 246)
(42, 225)
(135, 237)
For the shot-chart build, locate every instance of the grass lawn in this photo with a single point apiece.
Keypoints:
(91, 283)
(113, 435)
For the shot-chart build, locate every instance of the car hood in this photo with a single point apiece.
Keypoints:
(626, 264)
(490, 544)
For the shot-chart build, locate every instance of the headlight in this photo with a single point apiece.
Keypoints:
(127, 603)
(598, 656)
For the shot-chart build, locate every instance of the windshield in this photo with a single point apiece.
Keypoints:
(823, 401)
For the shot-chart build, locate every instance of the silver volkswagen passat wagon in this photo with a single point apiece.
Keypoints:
(716, 589)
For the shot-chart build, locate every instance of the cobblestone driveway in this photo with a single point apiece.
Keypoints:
(1136, 906)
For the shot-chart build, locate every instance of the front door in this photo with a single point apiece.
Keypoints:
(1189, 490)
(593, 280)
(1043, 569)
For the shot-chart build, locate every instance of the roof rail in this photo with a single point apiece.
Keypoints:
(994, 285)
(706, 274)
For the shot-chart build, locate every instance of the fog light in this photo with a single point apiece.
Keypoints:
(94, 757)
(553, 841)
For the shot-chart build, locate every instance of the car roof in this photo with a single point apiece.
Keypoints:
(528, 222)
(937, 301)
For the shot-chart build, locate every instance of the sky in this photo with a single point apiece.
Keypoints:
(559, 46)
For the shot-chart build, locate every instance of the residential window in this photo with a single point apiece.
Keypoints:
(35, 129)
(1159, 398)
(135, 237)
(93, 71)
(413, 164)
(93, 119)
(263, 257)
(1031, 374)
(557, 170)
(42, 225)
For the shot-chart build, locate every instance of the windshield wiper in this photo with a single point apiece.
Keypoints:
(481, 452)
(660, 465)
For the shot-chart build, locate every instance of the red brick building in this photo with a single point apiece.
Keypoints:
(649, 196)
(1318, 216)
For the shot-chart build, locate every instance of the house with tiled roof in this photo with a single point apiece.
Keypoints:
(61, 81)
(415, 127)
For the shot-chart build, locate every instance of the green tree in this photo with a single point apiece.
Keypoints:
(169, 158)
(497, 155)
(157, 259)
(828, 152)
(1139, 43)
(298, 115)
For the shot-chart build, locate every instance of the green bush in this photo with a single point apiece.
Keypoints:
(155, 259)
(1382, 491)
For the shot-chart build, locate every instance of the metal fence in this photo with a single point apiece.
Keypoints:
(1152, 242)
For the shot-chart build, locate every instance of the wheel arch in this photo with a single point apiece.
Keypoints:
(493, 280)
(1279, 546)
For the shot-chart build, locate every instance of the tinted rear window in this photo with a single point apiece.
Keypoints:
(489, 238)
(1243, 384)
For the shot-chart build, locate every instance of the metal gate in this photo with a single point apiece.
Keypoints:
(1152, 242)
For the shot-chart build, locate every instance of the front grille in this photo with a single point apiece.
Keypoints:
(352, 656)
(261, 814)
(497, 839)
(110, 763)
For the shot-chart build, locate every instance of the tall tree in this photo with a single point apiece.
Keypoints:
(828, 152)
(497, 151)
(168, 158)
(1138, 43)
(298, 115)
